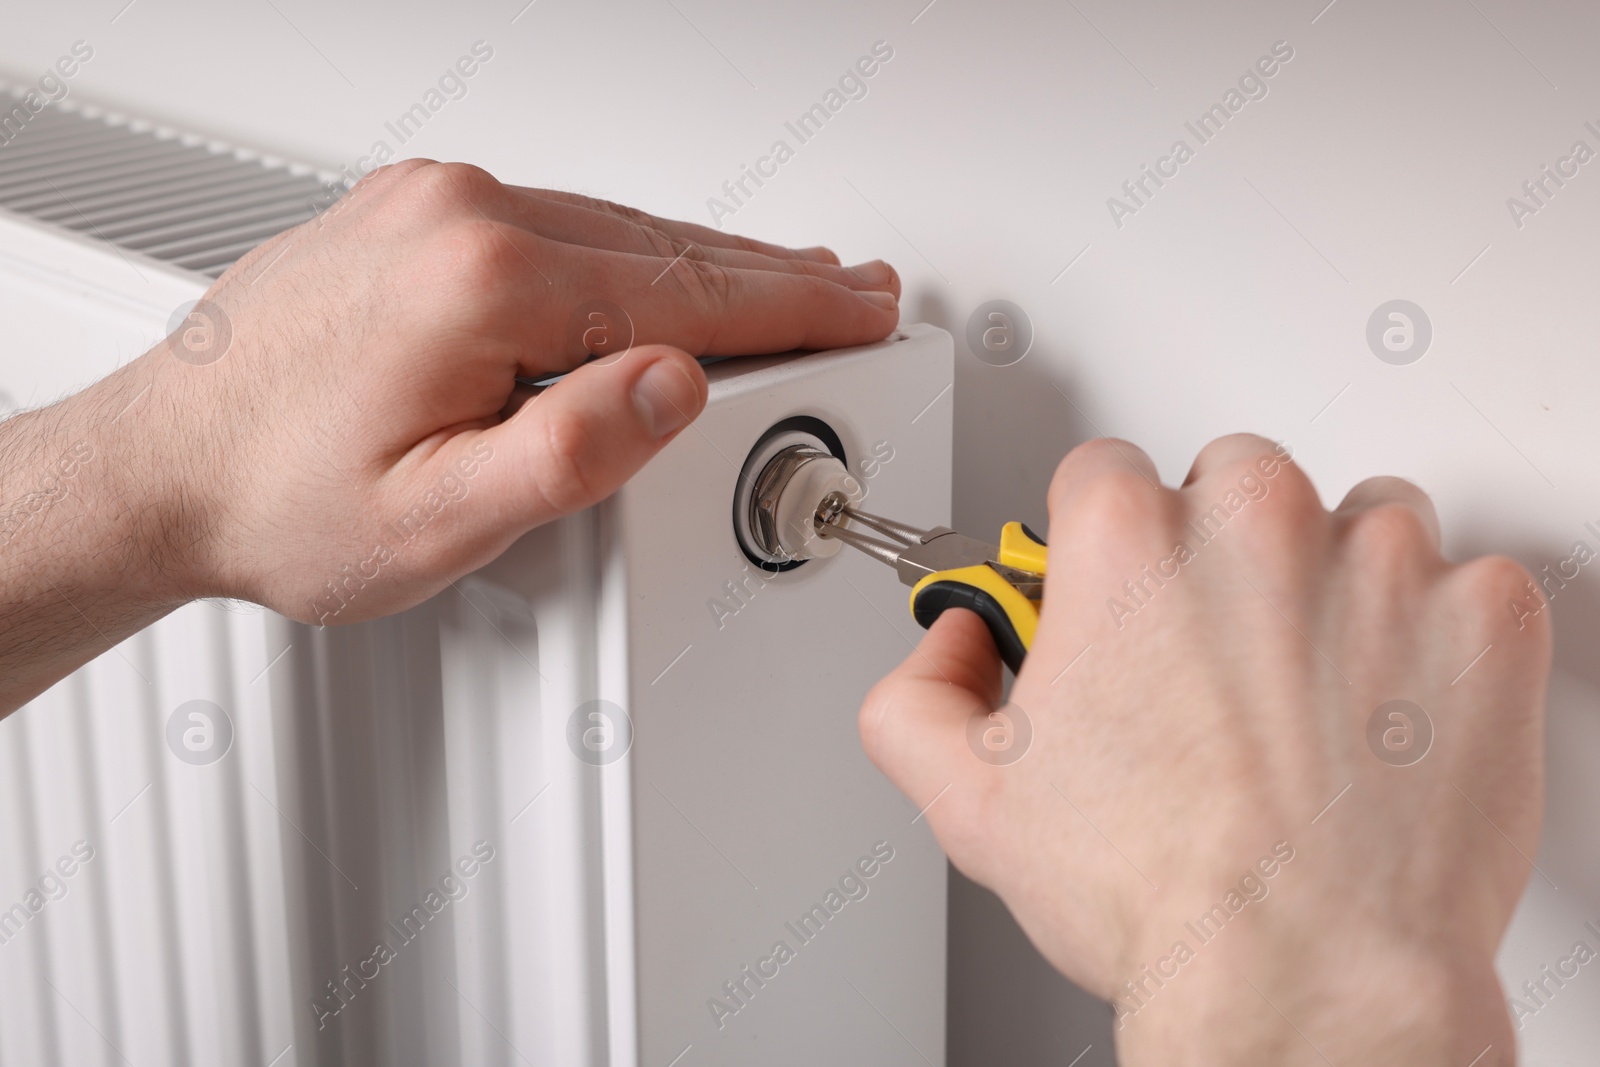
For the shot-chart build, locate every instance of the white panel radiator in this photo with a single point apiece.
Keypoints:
(389, 843)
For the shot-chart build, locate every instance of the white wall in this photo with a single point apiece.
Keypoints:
(980, 163)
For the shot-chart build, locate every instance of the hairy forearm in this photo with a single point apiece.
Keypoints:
(90, 513)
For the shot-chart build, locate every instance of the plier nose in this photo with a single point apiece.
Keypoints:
(1002, 583)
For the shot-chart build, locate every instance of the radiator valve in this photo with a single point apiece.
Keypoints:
(787, 499)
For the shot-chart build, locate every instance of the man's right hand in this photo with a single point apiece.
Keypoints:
(1223, 822)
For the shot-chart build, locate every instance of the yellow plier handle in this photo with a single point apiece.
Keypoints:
(1011, 616)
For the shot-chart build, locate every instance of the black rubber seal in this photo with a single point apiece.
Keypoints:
(794, 424)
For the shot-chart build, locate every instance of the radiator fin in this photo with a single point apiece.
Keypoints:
(196, 204)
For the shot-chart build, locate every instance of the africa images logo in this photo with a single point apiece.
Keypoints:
(199, 732)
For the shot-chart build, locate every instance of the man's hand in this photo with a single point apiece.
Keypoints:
(1221, 823)
(343, 441)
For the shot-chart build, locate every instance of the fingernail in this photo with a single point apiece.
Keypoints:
(665, 398)
(881, 301)
(821, 252)
(877, 272)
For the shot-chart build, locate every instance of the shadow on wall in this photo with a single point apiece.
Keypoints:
(994, 482)
(1006, 1003)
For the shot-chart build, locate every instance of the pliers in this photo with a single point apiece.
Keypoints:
(1002, 583)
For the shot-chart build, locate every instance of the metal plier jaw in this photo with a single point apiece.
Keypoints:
(1003, 583)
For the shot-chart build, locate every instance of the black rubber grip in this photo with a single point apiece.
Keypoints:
(1037, 539)
(937, 597)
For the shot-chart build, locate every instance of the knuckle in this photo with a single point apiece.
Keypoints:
(892, 722)
(403, 168)
(1392, 486)
(1252, 443)
(1492, 579)
(1272, 508)
(660, 243)
(711, 279)
(1289, 482)
(1095, 451)
(466, 178)
(805, 268)
(1239, 471)
(882, 720)
(1284, 533)
(390, 173)
(1277, 510)
(441, 186)
(1220, 457)
(1118, 490)
(1100, 453)
(1281, 476)
(628, 214)
(1282, 515)
(706, 286)
(872, 722)
(1389, 537)
(1117, 513)
(1240, 456)
(1504, 595)
(481, 257)
(563, 478)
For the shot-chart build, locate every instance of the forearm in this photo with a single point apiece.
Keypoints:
(91, 508)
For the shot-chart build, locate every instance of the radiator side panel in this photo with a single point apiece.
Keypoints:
(752, 798)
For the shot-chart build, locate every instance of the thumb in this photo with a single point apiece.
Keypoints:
(576, 442)
(914, 723)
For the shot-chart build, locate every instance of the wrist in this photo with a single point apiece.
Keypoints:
(1313, 1001)
(157, 441)
(97, 499)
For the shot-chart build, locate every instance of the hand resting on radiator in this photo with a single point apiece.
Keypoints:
(334, 433)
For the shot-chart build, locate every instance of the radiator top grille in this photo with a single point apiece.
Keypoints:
(194, 203)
